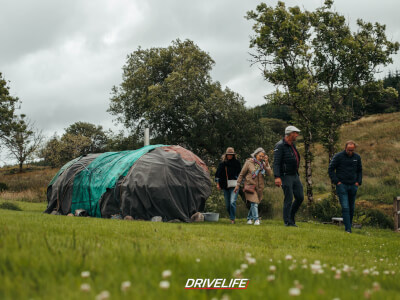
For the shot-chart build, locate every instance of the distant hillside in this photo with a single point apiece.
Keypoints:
(378, 139)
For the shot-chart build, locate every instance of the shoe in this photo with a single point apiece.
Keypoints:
(293, 225)
(348, 231)
(287, 224)
(232, 221)
(249, 222)
(257, 222)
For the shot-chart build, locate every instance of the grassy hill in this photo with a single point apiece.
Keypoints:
(43, 257)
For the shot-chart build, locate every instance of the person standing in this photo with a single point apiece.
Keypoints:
(286, 172)
(345, 171)
(253, 173)
(228, 169)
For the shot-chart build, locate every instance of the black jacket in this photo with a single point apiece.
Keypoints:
(233, 167)
(346, 169)
(285, 162)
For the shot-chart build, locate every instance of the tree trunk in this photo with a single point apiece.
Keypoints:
(308, 167)
(20, 167)
(331, 153)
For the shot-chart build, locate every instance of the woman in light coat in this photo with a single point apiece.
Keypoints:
(253, 173)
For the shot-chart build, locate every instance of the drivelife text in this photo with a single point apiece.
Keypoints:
(216, 283)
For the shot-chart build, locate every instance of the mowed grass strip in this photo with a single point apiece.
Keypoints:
(42, 257)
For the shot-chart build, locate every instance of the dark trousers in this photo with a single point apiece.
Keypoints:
(291, 186)
(347, 197)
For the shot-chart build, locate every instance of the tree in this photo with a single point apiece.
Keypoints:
(344, 63)
(22, 140)
(7, 107)
(317, 65)
(58, 151)
(170, 90)
(94, 133)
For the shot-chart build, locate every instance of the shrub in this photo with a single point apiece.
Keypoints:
(325, 209)
(3, 187)
(10, 206)
(373, 217)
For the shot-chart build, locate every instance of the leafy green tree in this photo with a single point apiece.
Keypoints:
(8, 105)
(95, 133)
(317, 65)
(170, 90)
(22, 140)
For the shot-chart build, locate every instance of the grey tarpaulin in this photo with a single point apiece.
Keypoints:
(162, 184)
(59, 194)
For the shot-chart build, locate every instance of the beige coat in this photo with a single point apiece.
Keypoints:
(248, 168)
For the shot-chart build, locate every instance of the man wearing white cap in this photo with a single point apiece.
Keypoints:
(286, 172)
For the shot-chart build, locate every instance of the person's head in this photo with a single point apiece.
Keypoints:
(291, 133)
(350, 147)
(259, 154)
(229, 154)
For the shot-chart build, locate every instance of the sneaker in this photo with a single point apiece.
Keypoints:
(257, 222)
(232, 221)
(249, 222)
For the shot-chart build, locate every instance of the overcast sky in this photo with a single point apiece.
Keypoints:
(63, 57)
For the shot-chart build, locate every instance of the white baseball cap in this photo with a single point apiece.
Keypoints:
(291, 129)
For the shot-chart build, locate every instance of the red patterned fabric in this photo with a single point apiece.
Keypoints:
(186, 155)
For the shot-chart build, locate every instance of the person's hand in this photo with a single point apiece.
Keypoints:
(357, 184)
(236, 189)
(278, 182)
(266, 159)
(218, 186)
(339, 183)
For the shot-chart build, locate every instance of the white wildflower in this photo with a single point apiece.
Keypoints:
(104, 295)
(125, 286)
(164, 284)
(294, 292)
(271, 277)
(166, 273)
(85, 287)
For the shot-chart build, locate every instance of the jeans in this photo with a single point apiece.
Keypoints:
(230, 202)
(347, 197)
(291, 186)
(253, 212)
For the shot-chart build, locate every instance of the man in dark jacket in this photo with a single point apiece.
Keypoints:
(286, 172)
(345, 171)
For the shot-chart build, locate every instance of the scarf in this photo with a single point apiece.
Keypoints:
(259, 167)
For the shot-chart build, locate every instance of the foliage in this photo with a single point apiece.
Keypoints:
(79, 139)
(318, 65)
(22, 140)
(95, 133)
(273, 111)
(10, 206)
(8, 105)
(170, 90)
(121, 142)
(58, 151)
(3, 187)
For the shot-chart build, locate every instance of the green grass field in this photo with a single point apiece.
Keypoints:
(42, 257)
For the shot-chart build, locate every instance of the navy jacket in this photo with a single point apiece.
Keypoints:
(285, 162)
(233, 167)
(346, 169)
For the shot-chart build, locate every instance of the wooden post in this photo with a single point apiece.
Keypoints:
(396, 212)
